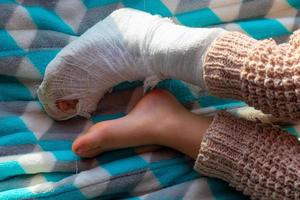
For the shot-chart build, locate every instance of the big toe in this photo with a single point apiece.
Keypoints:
(108, 135)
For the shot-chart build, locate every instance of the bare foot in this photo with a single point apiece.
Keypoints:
(157, 119)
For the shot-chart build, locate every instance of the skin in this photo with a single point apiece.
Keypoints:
(64, 105)
(156, 119)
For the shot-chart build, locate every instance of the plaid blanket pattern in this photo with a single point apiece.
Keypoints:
(36, 161)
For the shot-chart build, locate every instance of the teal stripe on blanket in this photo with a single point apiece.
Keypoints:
(17, 139)
(63, 193)
(98, 3)
(16, 52)
(151, 6)
(133, 198)
(7, 42)
(173, 171)
(292, 130)
(264, 28)
(48, 20)
(52, 145)
(65, 155)
(41, 58)
(18, 194)
(199, 18)
(100, 118)
(125, 165)
(294, 3)
(10, 168)
(111, 156)
(55, 177)
(207, 101)
(12, 89)
(11, 125)
(7, 1)
(127, 85)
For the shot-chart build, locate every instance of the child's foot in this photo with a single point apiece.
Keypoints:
(157, 119)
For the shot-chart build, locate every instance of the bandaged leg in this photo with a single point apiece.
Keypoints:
(128, 45)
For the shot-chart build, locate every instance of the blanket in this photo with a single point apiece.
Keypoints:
(36, 161)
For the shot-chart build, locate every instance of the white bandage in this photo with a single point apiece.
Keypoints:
(128, 45)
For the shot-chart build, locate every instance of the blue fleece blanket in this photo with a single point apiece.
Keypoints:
(36, 161)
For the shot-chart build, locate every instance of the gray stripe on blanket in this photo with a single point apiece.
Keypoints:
(9, 65)
(15, 150)
(114, 102)
(249, 8)
(285, 38)
(281, 39)
(125, 183)
(6, 12)
(94, 15)
(75, 167)
(297, 21)
(172, 192)
(194, 189)
(49, 39)
(189, 5)
(50, 4)
(70, 129)
(12, 108)
(163, 154)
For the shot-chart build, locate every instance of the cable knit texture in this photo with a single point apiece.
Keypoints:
(261, 73)
(259, 159)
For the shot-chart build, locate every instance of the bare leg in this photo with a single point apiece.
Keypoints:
(157, 119)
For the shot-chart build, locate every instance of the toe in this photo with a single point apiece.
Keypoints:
(66, 105)
(90, 152)
(109, 135)
(92, 140)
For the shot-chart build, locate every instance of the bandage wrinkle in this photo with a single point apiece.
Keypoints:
(128, 45)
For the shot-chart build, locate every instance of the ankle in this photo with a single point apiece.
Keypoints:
(184, 133)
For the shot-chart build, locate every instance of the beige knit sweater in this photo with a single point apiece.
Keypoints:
(261, 160)
(258, 159)
(261, 73)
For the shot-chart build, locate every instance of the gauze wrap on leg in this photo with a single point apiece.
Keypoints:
(128, 45)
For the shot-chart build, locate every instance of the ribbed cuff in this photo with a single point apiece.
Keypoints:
(259, 159)
(224, 145)
(223, 62)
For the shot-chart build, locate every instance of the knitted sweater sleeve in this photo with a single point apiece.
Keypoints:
(261, 160)
(261, 73)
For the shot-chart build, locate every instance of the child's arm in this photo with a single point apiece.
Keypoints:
(262, 73)
(258, 159)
